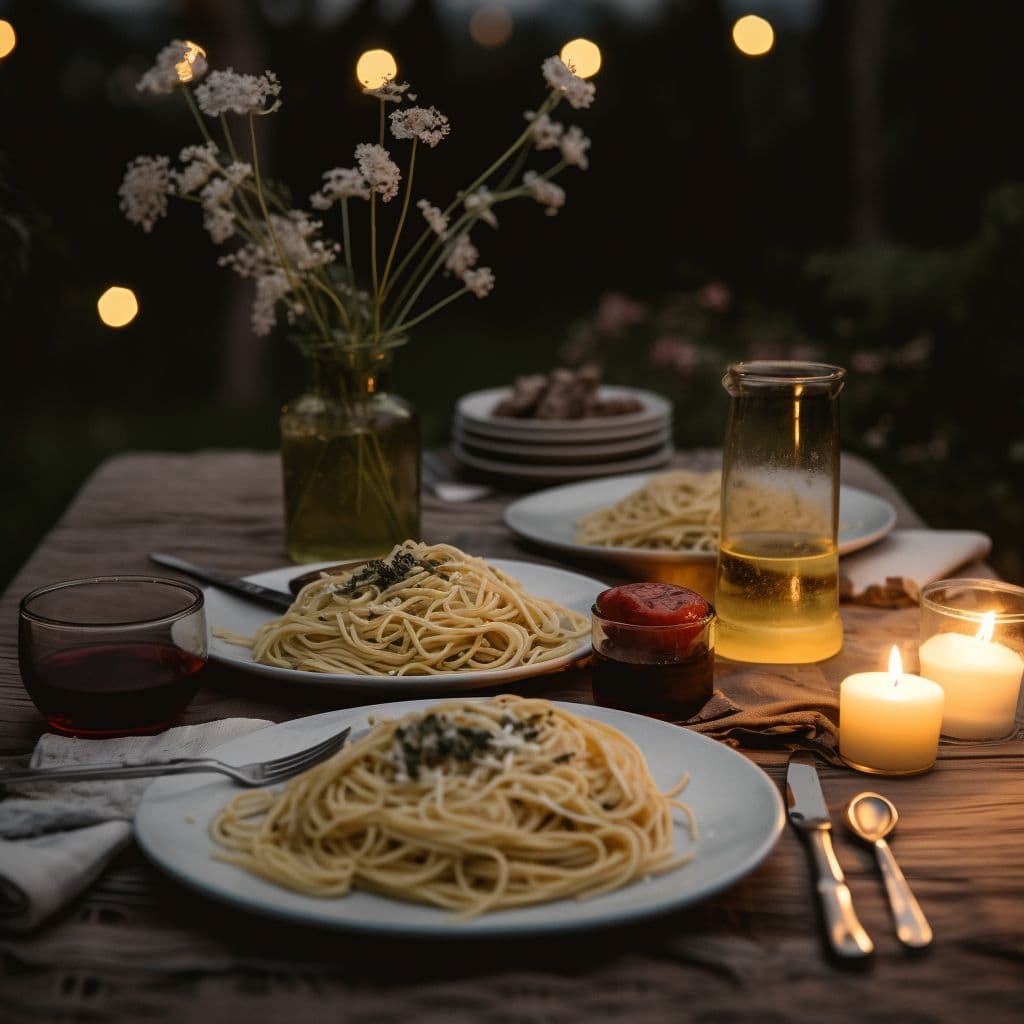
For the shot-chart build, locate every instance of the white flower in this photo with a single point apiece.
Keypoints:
(200, 162)
(434, 217)
(427, 124)
(218, 215)
(574, 146)
(270, 289)
(462, 257)
(225, 91)
(295, 235)
(237, 171)
(546, 134)
(390, 92)
(547, 193)
(578, 91)
(340, 183)
(144, 190)
(163, 76)
(380, 171)
(480, 202)
(479, 282)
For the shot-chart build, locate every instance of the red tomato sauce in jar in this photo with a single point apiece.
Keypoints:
(654, 650)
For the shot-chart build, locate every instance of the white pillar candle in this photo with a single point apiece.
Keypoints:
(889, 721)
(981, 679)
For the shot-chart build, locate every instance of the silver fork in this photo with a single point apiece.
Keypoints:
(260, 773)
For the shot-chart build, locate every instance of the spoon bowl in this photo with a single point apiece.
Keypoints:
(871, 816)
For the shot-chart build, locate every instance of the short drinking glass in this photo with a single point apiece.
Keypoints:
(112, 655)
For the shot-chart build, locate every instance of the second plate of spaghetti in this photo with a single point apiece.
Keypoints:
(649, 522)
(449, 623)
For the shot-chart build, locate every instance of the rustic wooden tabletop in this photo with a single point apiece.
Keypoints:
(140, 946)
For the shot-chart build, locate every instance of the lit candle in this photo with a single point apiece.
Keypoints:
(981, 679)
(889, 721)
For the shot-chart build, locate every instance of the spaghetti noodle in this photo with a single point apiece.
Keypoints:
(681, 511)
(677, 510)
(424, 610)
(468, 806)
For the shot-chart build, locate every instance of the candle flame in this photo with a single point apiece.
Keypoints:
(988, 626)
(184, 66)
(895, 664)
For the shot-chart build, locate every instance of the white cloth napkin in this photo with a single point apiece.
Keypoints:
(57, 837)
(893, 571)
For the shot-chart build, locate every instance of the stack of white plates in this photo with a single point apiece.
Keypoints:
(550, 451)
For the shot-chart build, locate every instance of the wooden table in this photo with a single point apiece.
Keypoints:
(138, 946)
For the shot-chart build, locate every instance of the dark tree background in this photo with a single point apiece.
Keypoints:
(848, 186)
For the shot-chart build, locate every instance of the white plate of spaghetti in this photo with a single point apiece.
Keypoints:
(437, 621)
(646, 522)
(471, 855)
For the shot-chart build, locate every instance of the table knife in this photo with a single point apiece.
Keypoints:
(277, 599)
(808, 814)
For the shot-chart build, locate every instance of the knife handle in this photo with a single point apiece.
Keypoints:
(846, 934)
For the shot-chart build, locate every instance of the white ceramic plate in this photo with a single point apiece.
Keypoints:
(737, 807)
(554, 452)
(225, 611)
(548, 517)
(475, 410)
(551, 472)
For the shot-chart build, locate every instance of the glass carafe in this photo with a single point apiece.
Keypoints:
(777, 587)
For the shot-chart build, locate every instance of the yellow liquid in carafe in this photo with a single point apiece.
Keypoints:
(777, 598)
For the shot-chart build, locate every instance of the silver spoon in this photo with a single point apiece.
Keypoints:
(872, 817)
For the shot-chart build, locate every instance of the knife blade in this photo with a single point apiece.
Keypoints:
(276, 599)
(808, 814)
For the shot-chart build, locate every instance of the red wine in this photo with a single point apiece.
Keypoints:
(673, 691)
(111, 689)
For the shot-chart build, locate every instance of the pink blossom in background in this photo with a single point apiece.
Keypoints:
(617, 312)
(675, 354)
(867, 362)
(716, 296)
(805, 353)
(916, 352)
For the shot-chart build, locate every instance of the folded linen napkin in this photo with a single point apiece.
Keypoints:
(783, 724)
(891, 573)
(57, 837)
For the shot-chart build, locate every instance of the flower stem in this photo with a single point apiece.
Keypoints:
(187, 93)
(403, 327)
(401, 219)
(347, 242)
(294, 284)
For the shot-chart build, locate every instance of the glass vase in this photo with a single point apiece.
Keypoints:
(350, 454)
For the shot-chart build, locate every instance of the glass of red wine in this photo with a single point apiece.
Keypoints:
(112, 655)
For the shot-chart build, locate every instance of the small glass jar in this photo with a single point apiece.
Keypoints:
(350, 454)
(972, 645)
(663, 671)
(777, 587)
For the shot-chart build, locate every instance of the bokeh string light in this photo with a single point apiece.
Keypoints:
(8, 39)
(583, 56)
(375, 67)
(117, 306)
(753, 36)
(490, 26)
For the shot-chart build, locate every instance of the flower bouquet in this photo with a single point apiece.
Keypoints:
(350, 448)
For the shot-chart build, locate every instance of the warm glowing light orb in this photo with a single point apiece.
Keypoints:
(184, 66)
(8, 39)
(118, 306)
(375, 67)
(753, 35)
(582, 56)
(490, 26)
